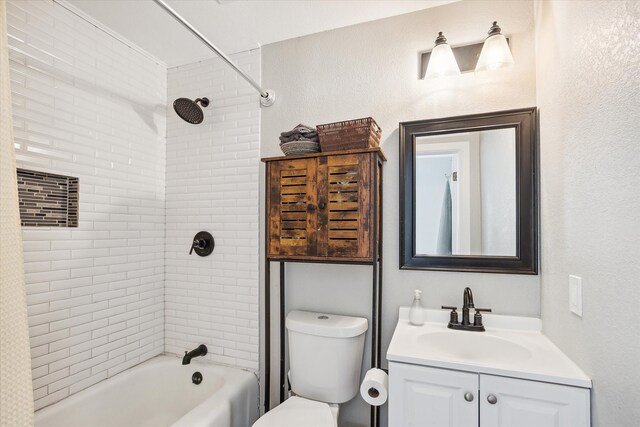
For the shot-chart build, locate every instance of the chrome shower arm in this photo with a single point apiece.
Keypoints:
(266, 97)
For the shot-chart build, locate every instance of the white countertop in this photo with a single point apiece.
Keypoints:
(544, 363)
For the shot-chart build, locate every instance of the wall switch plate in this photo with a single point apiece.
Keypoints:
(575, 295)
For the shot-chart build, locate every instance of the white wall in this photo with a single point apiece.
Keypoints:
(212, 185)
(371, 69)
(87, 105)
(498, 191)
(588, 89)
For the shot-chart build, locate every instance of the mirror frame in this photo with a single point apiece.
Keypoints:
(526, 259)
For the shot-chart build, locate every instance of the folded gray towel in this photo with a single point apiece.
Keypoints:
(298, 136)
(303, 129)
(302, 140)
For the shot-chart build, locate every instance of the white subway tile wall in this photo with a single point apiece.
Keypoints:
(89, 106)
(212, 185)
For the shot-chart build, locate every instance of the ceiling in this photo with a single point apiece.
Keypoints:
(234, 25)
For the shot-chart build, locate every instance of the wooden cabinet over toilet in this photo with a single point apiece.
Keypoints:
(321, 206)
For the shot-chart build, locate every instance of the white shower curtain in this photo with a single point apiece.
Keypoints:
(16, 393)
(445, 232)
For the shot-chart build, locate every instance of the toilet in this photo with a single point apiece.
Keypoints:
(325, 357)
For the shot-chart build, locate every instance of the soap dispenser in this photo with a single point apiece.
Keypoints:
(416, 315)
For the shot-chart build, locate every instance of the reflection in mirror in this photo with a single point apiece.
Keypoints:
(465, 193)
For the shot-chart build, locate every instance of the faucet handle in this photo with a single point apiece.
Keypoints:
(453, 316)
(477, 316)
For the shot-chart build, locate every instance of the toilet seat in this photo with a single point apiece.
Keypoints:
(297, 411)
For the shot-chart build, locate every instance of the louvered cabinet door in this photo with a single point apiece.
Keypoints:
(344, 215)
(292, 199)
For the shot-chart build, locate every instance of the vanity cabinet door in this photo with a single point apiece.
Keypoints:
(430, 397)
(508, 402)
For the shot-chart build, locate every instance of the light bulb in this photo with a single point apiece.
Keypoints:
(442, 63)
(495, 52)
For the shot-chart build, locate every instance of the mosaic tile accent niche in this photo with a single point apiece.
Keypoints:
(47, 200)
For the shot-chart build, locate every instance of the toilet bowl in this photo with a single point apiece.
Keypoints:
(325, 357)
(298, 411)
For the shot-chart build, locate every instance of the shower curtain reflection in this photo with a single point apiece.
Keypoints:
(445, 231)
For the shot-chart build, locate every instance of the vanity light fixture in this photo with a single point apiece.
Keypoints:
(442, 62)
(495, 51)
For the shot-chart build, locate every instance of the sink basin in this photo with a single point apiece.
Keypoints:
(512, 346)
(473, 347)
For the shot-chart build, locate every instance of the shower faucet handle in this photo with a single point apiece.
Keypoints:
(198, 244)
(203, 244)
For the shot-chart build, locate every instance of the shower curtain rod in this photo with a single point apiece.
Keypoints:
(267, 97)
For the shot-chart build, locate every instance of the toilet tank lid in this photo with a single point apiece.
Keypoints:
(326, 325)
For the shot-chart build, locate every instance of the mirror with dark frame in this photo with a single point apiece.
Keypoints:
(468, 193)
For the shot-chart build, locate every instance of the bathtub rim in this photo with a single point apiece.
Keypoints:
(234, 379)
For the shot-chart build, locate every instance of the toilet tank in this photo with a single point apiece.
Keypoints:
(325, 355)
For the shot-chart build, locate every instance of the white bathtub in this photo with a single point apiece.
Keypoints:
(159, 392)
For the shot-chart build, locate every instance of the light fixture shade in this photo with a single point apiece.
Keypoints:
(495, 52)
(442, 63)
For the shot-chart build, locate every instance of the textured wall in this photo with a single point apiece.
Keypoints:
(87, 105)
(212, 185)
(371, 69)
(588, 68)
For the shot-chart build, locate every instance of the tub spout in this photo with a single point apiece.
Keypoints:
(201, 350)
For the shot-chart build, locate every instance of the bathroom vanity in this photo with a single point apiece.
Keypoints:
(510, 375)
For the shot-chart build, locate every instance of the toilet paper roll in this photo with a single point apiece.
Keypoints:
(374, 387)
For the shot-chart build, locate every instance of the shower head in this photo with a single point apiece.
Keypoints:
(189, 110)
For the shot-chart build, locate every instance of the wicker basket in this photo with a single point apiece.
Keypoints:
(299, 147)
(349, 135)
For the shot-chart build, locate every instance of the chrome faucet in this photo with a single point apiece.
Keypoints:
(467, 303)
(201, 350)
